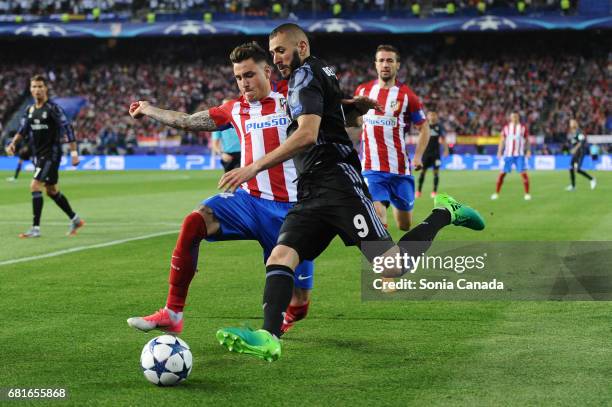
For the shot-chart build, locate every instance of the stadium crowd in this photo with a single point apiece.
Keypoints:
(252, 7)
(473, 94)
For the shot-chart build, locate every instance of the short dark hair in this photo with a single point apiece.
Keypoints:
(39, 78)
(390, 48)
(249, 50)
(288, 28)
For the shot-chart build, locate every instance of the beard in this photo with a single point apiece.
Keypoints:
(387, 76)
(293, 65)
(295, 61)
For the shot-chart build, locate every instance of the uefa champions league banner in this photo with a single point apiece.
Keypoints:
(207, 162)
(128, 162)
(538, 162)
(487, 23)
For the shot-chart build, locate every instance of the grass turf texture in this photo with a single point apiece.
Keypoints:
(64, 317)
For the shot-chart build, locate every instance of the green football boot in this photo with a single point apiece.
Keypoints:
(261, 343)
(461, 215)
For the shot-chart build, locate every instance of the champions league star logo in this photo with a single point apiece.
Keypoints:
(190, 27)
(337, 25)
(488, 23)
(42, 30)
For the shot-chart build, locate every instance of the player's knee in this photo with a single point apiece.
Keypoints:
(284, 256)
(51, 190)
(35, 186)
(212, 224)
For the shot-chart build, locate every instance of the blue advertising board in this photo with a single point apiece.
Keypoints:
(205, 162)
(487, 23)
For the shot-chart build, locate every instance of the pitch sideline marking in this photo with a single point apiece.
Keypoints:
(81, 248)
(118, 224)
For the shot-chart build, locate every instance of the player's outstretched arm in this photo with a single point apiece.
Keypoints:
(200, 121)
(304, 137)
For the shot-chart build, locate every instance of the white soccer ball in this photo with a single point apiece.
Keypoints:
(166, 360)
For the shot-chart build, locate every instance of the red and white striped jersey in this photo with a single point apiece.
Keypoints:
(515, 139)
(383, 135)
(261, 126)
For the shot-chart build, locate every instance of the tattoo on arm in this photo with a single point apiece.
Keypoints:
(200, 121)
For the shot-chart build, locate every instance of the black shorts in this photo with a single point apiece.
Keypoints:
(46, 170)
(333, 204)
(430, 161)
(230, 165)
(577, 161)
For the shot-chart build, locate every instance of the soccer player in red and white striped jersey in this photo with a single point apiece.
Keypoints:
(254, 212)
(386, 165)
(261, 126)
(514, 144)
(385, 162)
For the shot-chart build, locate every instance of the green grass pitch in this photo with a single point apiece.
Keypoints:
(64, 316)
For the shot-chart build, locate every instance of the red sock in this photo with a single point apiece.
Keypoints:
(185, 260)
(500, 181)
(297, 312)
(525, 181)
(386, 225)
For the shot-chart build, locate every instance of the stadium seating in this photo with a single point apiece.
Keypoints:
(253, 8)
(473, 94)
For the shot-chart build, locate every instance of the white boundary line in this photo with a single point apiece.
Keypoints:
(13, 223)
(81, 248)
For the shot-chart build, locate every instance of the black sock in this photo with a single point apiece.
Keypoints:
(17, 170)
(37, 205)
(426, 231)
(421, 180)
(62, 202)
(572, 177)
(585, 174)
(436, 181)
(277, 296)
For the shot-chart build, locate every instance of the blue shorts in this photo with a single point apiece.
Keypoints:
(394, 188)
(245, 217)
(519, 163)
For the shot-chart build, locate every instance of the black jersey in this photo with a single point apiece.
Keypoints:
(579, 139)
(433, 147)
(44, 127)
(314, 89)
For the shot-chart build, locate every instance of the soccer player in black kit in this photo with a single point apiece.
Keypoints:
(333, 199)
(431, 156)
(579, 149)
(44, 123)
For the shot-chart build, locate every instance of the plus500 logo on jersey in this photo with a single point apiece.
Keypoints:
(386, 121)
(275, 120)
